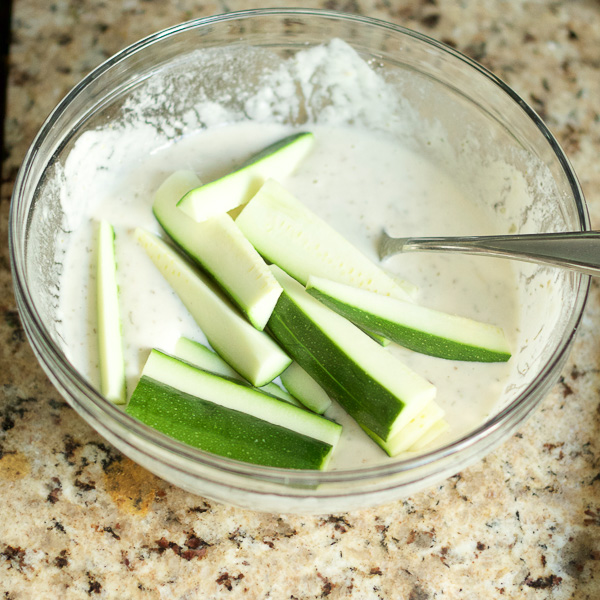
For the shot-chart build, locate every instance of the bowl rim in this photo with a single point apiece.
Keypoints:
(55, 361)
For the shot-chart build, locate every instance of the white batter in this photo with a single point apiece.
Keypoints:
(358, 181)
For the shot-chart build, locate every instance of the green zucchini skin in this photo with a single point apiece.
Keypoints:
(410, 325)
(223, 431)
(238, 395)
(276, 147)
(375, 388)
(345, 381)
(239, 186)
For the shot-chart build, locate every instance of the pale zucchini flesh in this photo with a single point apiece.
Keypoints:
(408, 286)
(274, 390)
(413, 326)
(433, 433)
(376, 389)
(406, 437)
(236, 188)
(200, 356)
(302, 386)
(237, 395)
(250, 352)
(110, 342)
(223, 431)
(220, 248)
(291, 236)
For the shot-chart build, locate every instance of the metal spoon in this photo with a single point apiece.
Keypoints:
(576, 250)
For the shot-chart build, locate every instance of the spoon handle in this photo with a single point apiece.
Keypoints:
(577, 250)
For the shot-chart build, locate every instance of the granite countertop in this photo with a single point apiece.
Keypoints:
(78, 519)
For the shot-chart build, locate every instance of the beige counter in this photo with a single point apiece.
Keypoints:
(79, 520)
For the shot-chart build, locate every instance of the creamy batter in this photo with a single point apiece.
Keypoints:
(359, 181)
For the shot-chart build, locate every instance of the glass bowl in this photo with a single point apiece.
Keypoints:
(469, 105)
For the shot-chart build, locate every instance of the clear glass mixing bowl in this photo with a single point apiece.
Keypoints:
(468, 102)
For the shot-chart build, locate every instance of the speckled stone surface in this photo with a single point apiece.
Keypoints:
(79, 520)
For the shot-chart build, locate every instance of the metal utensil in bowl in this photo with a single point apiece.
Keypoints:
(575, 250)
